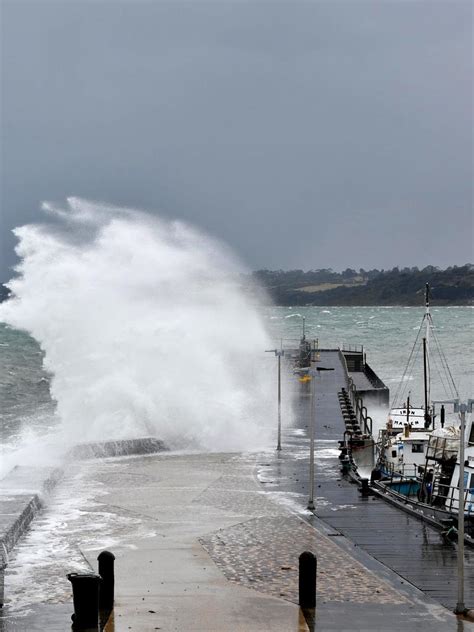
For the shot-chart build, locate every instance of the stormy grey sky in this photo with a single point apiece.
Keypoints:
(305, 134)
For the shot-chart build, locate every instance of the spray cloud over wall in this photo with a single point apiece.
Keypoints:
(144, 328)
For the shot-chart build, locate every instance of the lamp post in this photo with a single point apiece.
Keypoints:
(312, 422)
(462, 409)
(278, 353)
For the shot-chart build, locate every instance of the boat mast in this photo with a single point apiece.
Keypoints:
(426, 376)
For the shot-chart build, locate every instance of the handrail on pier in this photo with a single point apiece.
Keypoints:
(357, 402)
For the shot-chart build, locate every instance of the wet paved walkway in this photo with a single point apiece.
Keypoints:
(200, 546)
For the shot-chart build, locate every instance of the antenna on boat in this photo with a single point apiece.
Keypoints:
(425, 380)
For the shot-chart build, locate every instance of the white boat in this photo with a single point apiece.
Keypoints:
(403, 444)
(433, 494)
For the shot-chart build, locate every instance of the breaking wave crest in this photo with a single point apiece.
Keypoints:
(144, 327)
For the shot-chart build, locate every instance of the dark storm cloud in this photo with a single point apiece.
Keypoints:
(304, 134)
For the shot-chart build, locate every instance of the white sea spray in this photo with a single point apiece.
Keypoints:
(144, 328)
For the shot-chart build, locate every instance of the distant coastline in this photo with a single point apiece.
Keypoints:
(405, 287)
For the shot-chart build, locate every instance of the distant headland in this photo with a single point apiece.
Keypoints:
(405, 286)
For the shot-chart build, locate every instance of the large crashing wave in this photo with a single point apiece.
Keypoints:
(144, 327)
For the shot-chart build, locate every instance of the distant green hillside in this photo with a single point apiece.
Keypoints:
(453, 286)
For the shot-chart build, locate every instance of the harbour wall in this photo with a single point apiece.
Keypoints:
(24, 489)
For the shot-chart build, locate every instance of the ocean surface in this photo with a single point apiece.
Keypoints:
(386, 333)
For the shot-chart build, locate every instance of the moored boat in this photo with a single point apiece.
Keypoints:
(403, 443)
(433, 493)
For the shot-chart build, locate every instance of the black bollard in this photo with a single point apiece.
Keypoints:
(346, 464)
(364, 487)
(106, 571)
(3, 564)
(85, 591)
(307, 580)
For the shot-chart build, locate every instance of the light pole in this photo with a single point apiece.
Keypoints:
(278, 353)
(312, 423)
(462, 409)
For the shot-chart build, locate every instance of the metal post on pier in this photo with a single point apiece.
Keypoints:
(278, 353)
(462, 409)
(312, 423)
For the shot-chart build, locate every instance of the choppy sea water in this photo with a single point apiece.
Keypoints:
(24, 386)
(386, 333)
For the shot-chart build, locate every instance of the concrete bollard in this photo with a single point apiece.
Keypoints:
(307, 580)
(106, 571)
(85, 591)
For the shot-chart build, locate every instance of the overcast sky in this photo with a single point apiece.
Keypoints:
(304, 134)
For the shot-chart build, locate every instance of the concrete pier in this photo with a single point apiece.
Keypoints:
(211, 542)
(208, 550)
(23, 490)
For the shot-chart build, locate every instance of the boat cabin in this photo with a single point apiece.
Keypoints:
(452, 501)
(406, 452)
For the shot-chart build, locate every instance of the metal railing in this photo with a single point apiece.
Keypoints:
(442, 448)
(352, 348)
(373, 377)
(442, 496)
(357, 402)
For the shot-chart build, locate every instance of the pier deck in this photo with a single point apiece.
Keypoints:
(413, 549)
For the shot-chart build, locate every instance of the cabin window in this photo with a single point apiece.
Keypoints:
(471, 435)
(417, 447)
(466, 479)
(394, 454)
(470, 483)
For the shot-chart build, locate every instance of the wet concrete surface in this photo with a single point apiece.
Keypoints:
(206, 549)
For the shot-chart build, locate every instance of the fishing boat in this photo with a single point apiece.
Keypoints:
(433, 495)
(306, 353)
(403, 443)
(419, 461)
